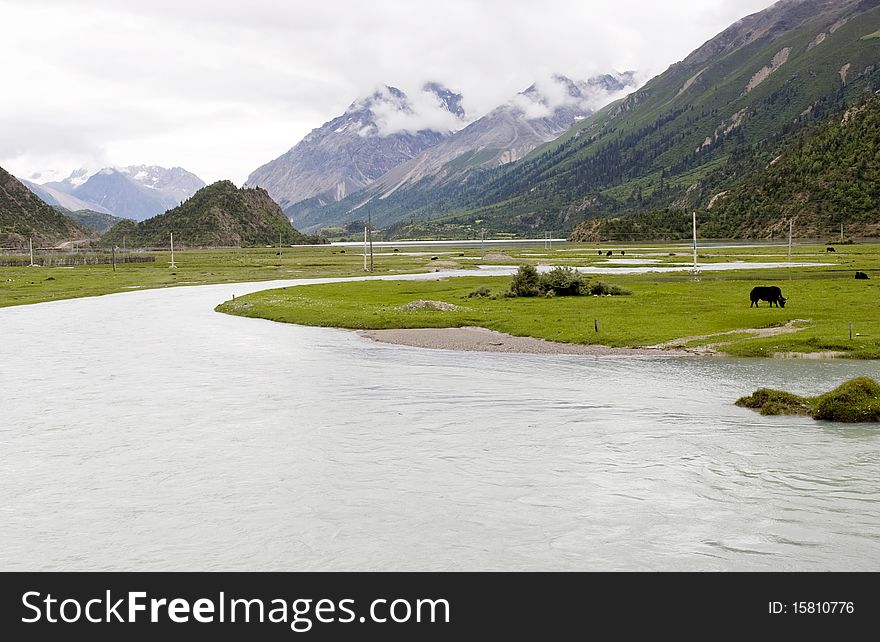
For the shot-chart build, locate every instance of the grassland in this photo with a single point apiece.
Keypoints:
(675, 309)
(23, 285)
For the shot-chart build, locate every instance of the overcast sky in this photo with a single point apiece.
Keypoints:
(220, 87)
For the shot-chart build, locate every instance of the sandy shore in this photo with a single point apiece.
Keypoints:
(483, 340)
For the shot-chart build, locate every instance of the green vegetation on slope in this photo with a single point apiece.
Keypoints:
(821, 176)
(24, 216)
(98, 222)
(855, 401)
(219, 215)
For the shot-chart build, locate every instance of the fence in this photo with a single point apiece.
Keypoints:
(69, 260)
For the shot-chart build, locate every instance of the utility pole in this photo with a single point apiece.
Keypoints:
(173, 265)
(370, 226)
(790, 226)
(695, 241)
(113, 252)
(31, 246)
(279, 248)
(482, 239)
(365, 248)
(841, 231)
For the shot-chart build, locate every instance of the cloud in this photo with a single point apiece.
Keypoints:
(420, 110)
(550, 93)
(221, 87)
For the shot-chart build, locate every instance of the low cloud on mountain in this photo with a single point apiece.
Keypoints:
(219, 87)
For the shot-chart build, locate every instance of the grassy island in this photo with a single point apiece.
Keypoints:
(705, 314)
(855, 401)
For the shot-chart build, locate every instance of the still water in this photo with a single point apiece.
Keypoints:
(143, 431)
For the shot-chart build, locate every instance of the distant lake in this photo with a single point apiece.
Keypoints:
(144, 431)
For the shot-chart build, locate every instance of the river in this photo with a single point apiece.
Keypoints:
(144, 431)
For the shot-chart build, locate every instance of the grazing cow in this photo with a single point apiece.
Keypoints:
(861, 276)
(622, 253)
(610, 253)
(830, 249)
(600, 252)
(767, 293)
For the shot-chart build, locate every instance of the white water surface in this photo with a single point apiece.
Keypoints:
(144, 431)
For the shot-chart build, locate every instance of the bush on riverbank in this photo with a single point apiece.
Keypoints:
(560, 281)
(607, 289)
(855, 401)
(526, 282)
(563, 281)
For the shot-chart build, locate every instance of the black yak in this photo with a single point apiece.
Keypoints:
(767, 293)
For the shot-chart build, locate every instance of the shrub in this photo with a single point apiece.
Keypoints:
(560, 281)
(481, 292)
(563, 281)
(526, 282)
(606, 289)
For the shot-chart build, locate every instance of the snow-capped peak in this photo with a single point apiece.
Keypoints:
(78, 177)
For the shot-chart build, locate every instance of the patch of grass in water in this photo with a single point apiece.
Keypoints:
(855, 401)
(776, 402)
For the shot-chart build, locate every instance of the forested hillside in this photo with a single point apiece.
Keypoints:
(820, 176)
(219, 215)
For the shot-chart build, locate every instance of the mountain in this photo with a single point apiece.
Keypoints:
(374, 134)
(58, 198)
(137, 192)
(219, 215)
(24, 216)
(822, 176)
(98, 222)
(508, 133)
(664, 145)
(535, 116)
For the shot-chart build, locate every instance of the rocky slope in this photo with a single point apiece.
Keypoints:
(508, 133)
(349, 152)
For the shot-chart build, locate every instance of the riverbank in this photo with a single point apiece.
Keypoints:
(26, 285)
(470, 339)
(706, 314)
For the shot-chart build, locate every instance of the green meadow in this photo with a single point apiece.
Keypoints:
(675, 309)
(22, 285)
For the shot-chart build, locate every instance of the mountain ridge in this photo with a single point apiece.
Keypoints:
(656, 147)
(218, 215)
(538, 114)
(24, 216)
(348, 152)
(136, 191)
